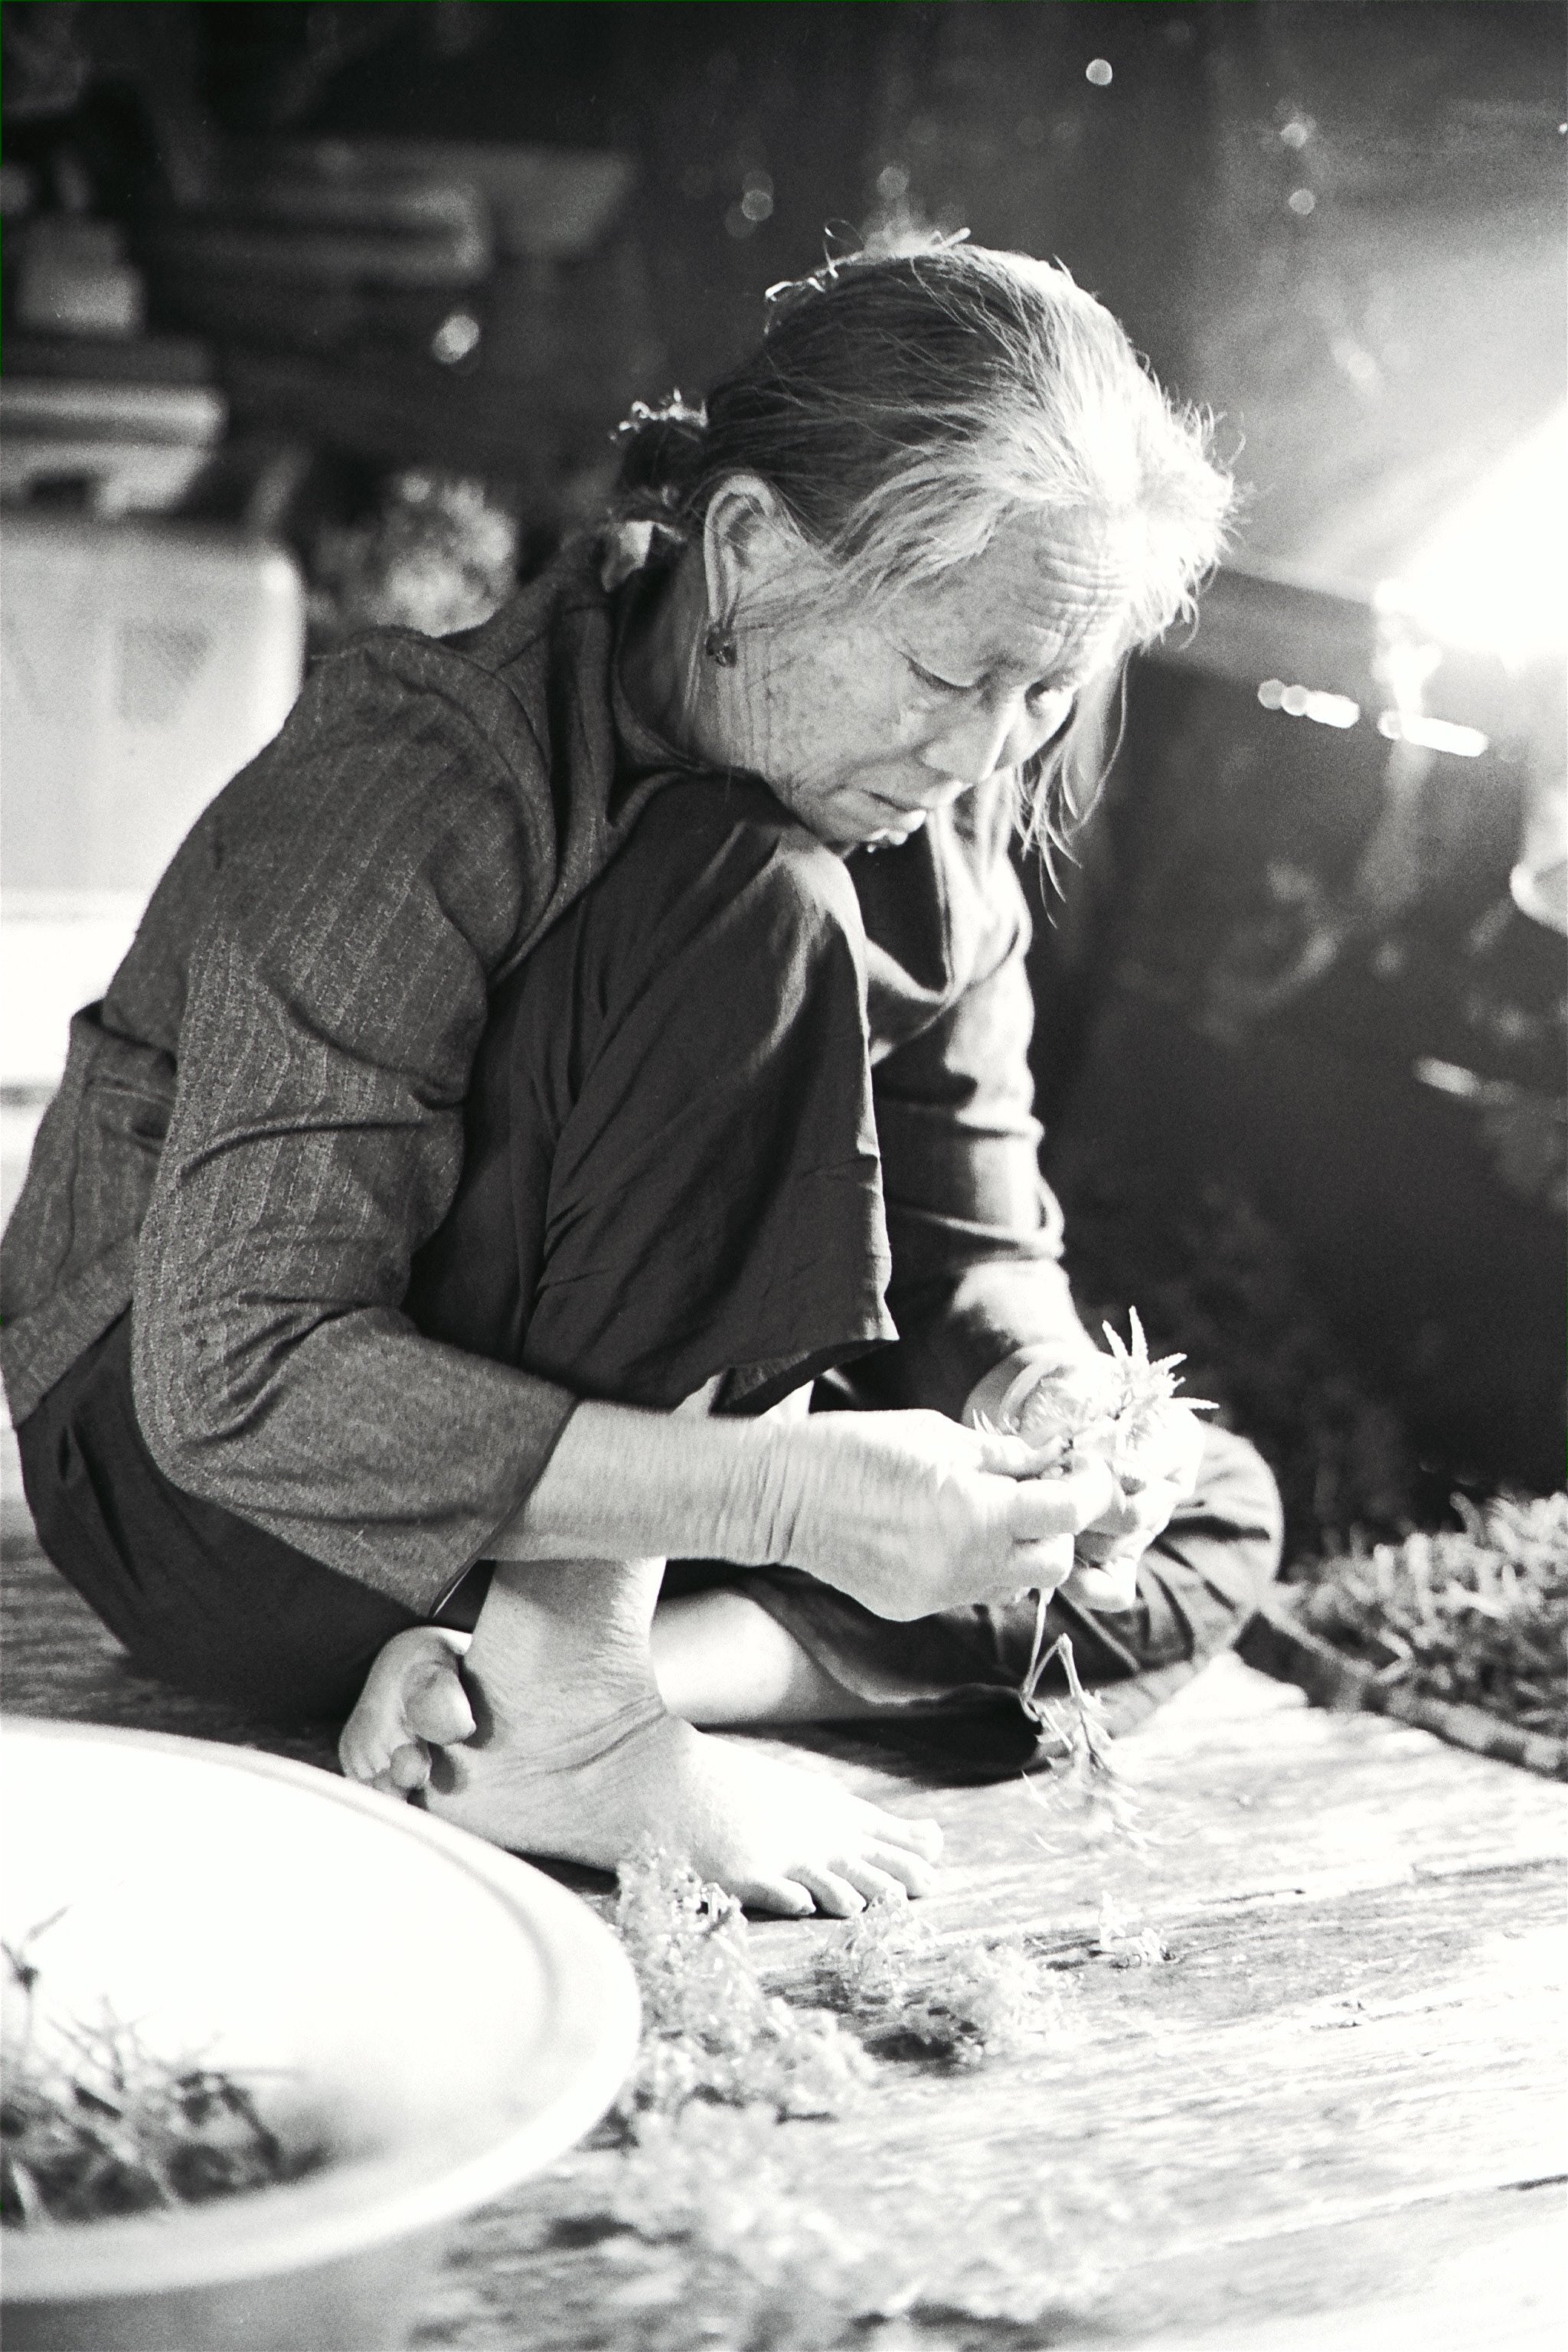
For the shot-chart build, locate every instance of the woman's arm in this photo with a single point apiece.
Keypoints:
(906, 1511)
(976, 1235)
(978, 1291)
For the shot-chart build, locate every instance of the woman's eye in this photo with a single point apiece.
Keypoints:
(929, 677)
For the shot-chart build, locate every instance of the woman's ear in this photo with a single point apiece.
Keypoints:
(745, 540)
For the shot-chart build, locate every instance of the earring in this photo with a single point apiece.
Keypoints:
(718, 645)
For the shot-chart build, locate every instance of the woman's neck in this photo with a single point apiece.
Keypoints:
(662, 666)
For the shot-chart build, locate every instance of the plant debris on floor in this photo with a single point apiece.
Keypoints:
(718, 2237)
(888, 1986)
(710, 2031)
(698, 2205)
(908, 1993)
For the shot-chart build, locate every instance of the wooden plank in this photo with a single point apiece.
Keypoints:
(1491, 2265)
(1332, 2093)
(1354, 2050)
(1493, 2278)
(1243, 1793)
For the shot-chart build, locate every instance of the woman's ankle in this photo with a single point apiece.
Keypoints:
(562, 1646)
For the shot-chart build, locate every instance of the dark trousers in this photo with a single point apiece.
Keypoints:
(669, 1172)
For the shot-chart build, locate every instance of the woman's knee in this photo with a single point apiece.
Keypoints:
(1202, 1581)
(196, 1597)
(720, 875)
(1237, 1499)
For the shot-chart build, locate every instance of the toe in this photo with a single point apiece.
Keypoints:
(410, 1766)
(780, 1896)
(874, 1885)
(913, 1876)
(358, 1757)
(834, 1893)
(437, 1707)
(921, 1837)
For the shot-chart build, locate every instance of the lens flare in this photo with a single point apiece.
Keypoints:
(1493, 577)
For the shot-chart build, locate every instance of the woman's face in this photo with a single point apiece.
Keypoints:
(863, 722)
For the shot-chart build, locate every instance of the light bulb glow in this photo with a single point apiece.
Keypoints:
(1493, 576)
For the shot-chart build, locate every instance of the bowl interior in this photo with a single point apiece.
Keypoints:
(390, 1986)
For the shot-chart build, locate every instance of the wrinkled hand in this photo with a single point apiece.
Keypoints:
(1152, 1478)
(910, 1512)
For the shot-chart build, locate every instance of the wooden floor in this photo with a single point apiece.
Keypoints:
(1335, 2115)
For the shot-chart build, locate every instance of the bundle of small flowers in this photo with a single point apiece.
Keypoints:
(1119, 1417)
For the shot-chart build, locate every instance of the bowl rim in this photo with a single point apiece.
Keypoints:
(348, 2209)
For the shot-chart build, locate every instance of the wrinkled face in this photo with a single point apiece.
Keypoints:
(863, 722)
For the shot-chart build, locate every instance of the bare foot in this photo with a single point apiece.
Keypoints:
(575, 1756)
(413, 1700)
(782, 1839)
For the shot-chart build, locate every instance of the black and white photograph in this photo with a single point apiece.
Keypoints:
(783, 1160)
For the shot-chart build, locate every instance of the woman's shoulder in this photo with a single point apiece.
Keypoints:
(480, 766)
(486, 678)
(498, 714)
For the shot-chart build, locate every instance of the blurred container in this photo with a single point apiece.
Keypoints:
(447, 2020)
(133, 448)
(1539, 882)
(74, 280)
(403, 229)
(546, 204)
(140, 667)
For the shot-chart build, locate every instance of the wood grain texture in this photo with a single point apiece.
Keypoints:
(1336, 2111)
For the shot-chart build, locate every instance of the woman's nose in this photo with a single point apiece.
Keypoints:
(987, 740)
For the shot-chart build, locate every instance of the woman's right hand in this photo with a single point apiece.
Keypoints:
(909, 1512)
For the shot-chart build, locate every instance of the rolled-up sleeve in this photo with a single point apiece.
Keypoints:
(977, 1234)
(371, 881)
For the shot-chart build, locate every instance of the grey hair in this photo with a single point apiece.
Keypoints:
(903, 406)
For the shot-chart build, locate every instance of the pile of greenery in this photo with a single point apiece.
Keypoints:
(710, 2033)
(1477, 1616)
(698, 2201)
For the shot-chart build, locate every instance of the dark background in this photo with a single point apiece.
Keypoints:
(1370, 356)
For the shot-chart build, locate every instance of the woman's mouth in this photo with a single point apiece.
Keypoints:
(902, 818)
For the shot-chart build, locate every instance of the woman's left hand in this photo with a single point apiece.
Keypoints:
(1155, 1470)
(1150, 1487)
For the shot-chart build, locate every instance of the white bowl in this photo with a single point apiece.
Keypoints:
(451, 2019)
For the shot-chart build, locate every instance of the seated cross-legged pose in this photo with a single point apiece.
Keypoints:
(571, 1048)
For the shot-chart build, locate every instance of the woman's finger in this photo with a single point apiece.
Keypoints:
(1060, 1506)
(1128, 1532)
(1016, 1457)
(1041, 1566)
(1110, 1587)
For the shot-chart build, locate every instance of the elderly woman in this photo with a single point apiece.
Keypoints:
(571, 1047)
